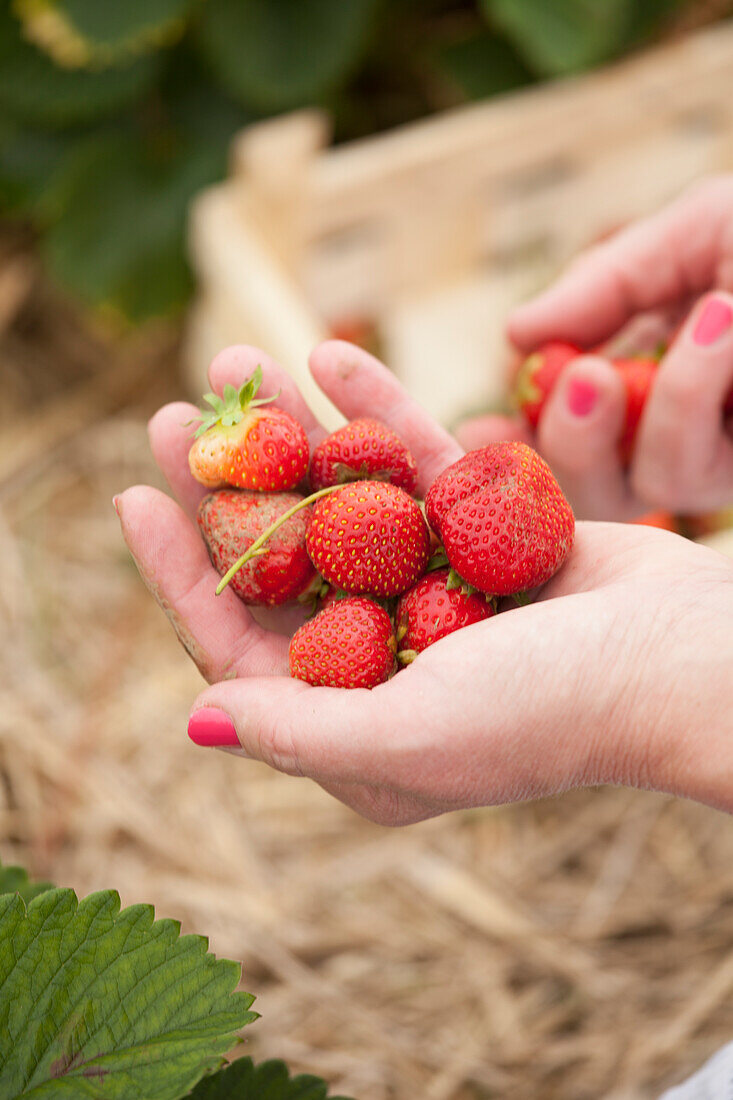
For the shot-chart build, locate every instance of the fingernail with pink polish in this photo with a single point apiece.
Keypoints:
(116, 503)
(212, 728)
(581, 396)
(714, 320)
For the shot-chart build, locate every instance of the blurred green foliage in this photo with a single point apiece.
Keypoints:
(114, 114)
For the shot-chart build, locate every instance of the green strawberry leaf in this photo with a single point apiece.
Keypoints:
(483, 65)
(563, 36)
(274, 54)
(96, 1001)
(119, 241)
(243, 1080)
(29, 162)
(36, 91)
(81, 33)
(14, 880)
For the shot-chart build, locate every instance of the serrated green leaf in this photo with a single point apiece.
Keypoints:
(97, 1001)
(483, 65)
(36, 91)
(87, 33)
(14, 880)
(562, 36)
(243, 1080)
(275, 54)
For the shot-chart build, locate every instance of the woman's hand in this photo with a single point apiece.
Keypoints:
(620, 672)
(632, 290)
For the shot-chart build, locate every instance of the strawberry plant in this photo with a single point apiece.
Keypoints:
(101, 1001)
(114, 115)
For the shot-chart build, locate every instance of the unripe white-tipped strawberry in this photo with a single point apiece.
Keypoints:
(242, 443)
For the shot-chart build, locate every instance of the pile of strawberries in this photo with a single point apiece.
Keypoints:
(385, 577)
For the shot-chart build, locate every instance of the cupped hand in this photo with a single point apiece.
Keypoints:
(619, 673)
(629, 292)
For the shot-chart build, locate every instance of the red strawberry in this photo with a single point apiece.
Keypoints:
(243, 444)
(369, 537)
(363, 449)
(505, 524)
(537, 377)
(231, 519)
(638, 376)
(430, 610)
(350, 644)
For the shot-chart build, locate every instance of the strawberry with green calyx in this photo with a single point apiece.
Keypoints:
(538, 375)
(230, 521)
(350, 644)
(502, 517)
(240, 442)
(363, 449)
(431, 609)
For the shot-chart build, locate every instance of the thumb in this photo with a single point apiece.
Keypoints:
(328, 734)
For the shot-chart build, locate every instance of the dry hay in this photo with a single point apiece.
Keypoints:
(578, 948)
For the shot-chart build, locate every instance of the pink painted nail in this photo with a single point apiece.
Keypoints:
(116, 503)
(714, 320)
(212, 727)
(581, 396)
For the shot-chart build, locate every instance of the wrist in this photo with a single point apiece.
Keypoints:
(686, 746)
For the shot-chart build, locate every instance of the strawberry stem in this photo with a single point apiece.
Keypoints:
(258, 546)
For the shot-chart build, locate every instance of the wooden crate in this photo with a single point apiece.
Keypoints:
(434, 230)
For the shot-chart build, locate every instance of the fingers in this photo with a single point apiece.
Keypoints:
(170, 433)
(578, 435)
(479, 431)
(362, 386)
(217, 631)
(683, 457)
(680, 251)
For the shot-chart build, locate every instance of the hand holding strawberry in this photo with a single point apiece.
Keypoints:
(602, 679)
(671, 266)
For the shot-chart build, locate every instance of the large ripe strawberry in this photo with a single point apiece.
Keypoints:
(350, 644)
(231, 519)
(638, 374)
(244, 444)
(504, 522)
(430, 610)
(369, 537)
(537, 376)
(362, 450)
